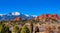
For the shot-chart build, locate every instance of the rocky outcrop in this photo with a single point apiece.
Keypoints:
(52, 16)
(17, 19)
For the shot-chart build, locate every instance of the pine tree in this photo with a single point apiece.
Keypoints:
(4, 29)
(1, 27)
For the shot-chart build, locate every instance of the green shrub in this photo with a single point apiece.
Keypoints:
(15, 29)
(25, 30)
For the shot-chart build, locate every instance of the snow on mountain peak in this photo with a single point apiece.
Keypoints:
(34, 15)
(1, 14)
(27, 15)
(16, 13)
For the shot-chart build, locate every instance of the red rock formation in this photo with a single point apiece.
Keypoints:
(52, 16)
(49, 15)
(17, 19)
(44, 15)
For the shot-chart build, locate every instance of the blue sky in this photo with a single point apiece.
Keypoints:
(31, 7)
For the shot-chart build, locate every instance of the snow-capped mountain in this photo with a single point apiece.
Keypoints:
(13, 15)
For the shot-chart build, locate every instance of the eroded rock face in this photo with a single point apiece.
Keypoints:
(17, 19)
(52, 16)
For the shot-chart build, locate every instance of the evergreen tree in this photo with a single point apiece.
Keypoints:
(1, 27)
(4, 29)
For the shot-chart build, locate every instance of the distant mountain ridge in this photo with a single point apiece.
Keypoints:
(19, 16)
(13, 15)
